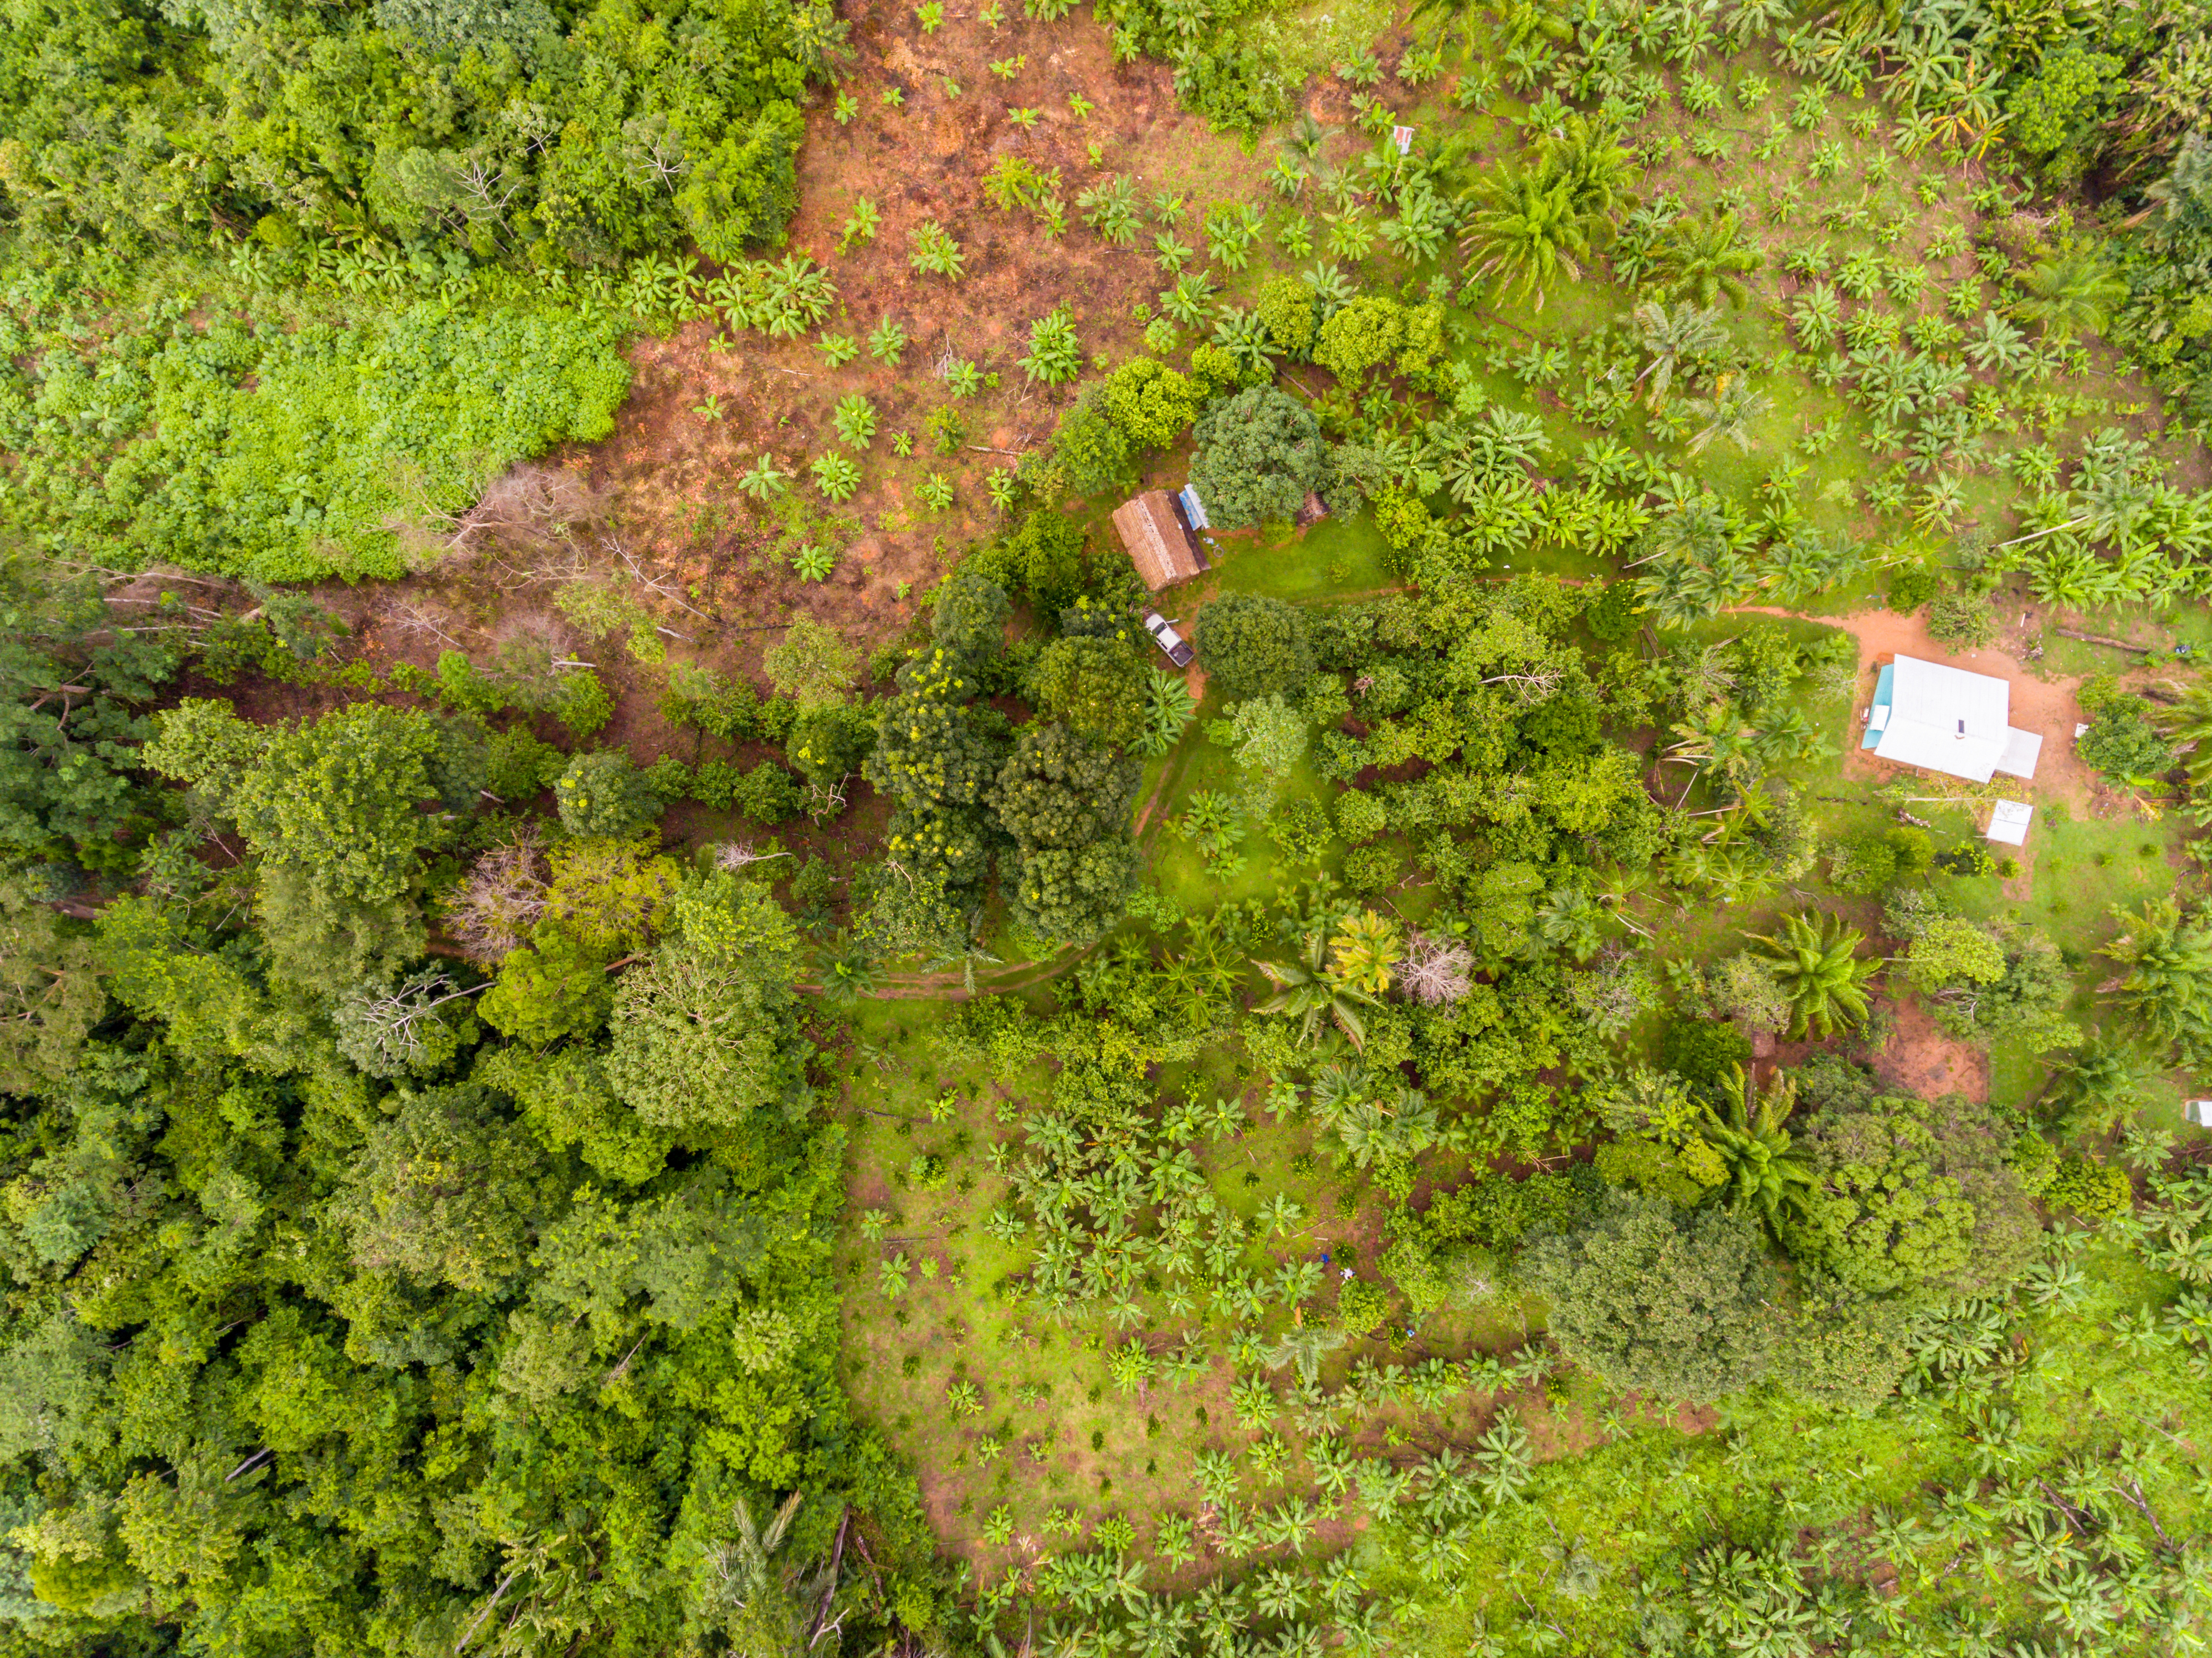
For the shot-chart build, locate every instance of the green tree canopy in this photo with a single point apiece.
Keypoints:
(1095, 687)
(1364, 334)
(1914, 1195)
(620, 148)
(339, 798)
(811, 663)
(931, 749)
(1251, 645)
(1152, 403)
(333, 807)
(1660, 1302)
(601, 793)
(969, 620)
(704, 1031)
(1065, 801)
(1259, 454)
(445, 1190)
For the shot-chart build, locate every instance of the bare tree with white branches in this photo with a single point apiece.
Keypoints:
(1435, 970)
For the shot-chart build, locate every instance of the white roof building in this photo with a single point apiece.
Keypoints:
(2008, 822)
(1946, 719)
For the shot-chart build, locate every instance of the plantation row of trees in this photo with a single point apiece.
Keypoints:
(1536, 836)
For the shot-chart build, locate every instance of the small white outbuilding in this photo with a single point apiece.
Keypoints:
(1944, 718)
(2008, 822)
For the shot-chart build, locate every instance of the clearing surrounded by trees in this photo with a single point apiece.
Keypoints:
(642, 1013)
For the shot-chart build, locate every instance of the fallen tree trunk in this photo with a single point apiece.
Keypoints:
(2099, 638)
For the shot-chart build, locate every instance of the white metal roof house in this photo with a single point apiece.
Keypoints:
(1946, 719)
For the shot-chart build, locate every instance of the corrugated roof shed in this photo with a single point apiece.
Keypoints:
(1158, 543)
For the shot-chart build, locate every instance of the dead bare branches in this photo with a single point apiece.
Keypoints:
(738, 855)
(1528, 689)
(497, 903)
(1435, 970)
(539, 508)
(409, 615)
(665, 587)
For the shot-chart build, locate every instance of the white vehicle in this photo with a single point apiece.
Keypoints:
(1165, 635)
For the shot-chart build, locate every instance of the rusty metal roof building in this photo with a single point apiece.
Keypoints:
(1163, 549)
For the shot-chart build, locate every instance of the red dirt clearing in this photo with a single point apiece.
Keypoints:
(1920, 1058)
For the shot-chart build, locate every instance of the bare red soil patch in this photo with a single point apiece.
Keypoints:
(1921, 1058)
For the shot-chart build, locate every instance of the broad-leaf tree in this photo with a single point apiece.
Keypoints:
(1659, 1301)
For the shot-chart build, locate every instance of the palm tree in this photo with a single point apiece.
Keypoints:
(849, 974)
(764, 480)
(1366, 948)
(2168, 983)
(1705, 259)
(1571, 920)
(763, 1600)
(1732, 872)
(1734, 406)
(1592, 161)
(1718, 739)
(1517, 19)
(2069, 293)
(1304, 1346)
(1374, 1131)
(1675, 594)
(1619, 887)
(2095, 1087)
(1673, 338)
(1858, 20)
(1307, 990)
(1702, 674)
(1999, 345)
(1814, 964)
(1767, 1171)
(2189, 722)
(1756, 20)
(1526, 227)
